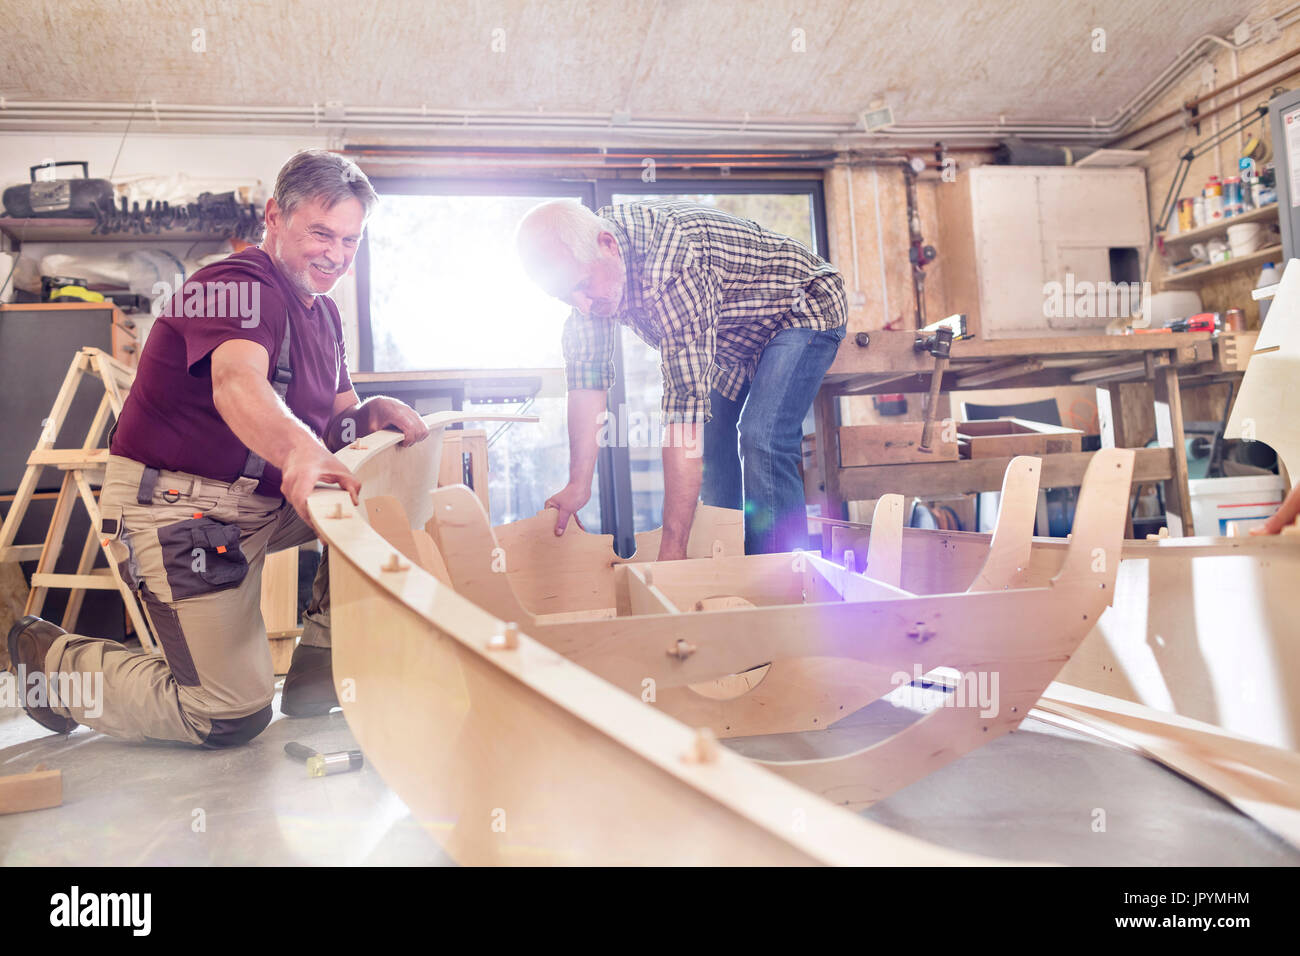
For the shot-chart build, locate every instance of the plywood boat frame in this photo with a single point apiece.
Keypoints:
(509, 753)
(1202, 627)
(838, 649)
(465, 715)
(1196, 665)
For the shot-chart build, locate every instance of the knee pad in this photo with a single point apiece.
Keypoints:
(235, 731)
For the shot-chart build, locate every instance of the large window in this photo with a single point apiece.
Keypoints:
(442, 288)
(446, 291)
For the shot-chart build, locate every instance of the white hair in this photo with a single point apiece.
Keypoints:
(565, 221)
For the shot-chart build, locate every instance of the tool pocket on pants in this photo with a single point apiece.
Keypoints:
(201, 555)
(118, 544)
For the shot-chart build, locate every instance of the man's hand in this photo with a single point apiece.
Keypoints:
(387, 412)
(307, 465)
(569, 501)
(1286, 514)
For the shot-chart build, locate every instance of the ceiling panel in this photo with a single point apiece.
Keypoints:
(932, 61)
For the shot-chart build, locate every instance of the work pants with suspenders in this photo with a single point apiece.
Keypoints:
(193, 549)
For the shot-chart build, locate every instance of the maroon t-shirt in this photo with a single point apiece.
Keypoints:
(169, 420)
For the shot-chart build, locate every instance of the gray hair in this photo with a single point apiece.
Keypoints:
(320, 174)
(566, 221)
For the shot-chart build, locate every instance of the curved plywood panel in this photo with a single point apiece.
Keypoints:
(507, 752)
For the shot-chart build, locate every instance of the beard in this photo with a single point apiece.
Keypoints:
(608, 306)
(303, 279)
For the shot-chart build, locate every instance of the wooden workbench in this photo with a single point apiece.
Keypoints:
(457, 386)
(873, 363)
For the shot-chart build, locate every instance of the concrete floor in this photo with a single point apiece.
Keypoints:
(1027, 796)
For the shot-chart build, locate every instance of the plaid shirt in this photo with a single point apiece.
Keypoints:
(708, 290)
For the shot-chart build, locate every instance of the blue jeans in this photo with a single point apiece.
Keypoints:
(752, 446)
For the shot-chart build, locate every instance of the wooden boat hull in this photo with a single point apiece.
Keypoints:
(517, 745)
(516, 754)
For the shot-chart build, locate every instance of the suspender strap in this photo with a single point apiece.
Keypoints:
(280, 379)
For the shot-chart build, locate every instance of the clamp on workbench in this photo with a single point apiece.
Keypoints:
(937, 339)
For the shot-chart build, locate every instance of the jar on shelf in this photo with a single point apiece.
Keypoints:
(1232, 199)
(1213, 194)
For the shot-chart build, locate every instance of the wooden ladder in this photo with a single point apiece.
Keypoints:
(82, 467)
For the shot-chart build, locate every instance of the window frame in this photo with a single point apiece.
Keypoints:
(616, 509)
(606, 188)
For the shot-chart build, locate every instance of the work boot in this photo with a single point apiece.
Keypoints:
(30, 640)
(309, 685)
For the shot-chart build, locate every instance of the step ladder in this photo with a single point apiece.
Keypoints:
(83, 469)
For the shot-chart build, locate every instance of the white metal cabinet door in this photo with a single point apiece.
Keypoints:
(1008, 248)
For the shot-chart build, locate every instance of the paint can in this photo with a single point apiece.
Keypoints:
(1213, 194)
(1233, 204)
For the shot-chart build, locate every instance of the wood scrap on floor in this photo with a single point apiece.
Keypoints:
(37, 790)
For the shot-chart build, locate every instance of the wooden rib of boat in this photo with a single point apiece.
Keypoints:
(1200, 627)
(1196, 664)
(522, 734)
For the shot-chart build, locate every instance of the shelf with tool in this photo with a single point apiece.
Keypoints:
(83, 230)
(55, 211)
(216, 221)
(1215, 241)
(89, 210)
(1178, 249)
(886, 362)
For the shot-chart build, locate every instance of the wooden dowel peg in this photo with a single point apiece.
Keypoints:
(681, 650)
(704, 748)
(507, 640)
(394, 563)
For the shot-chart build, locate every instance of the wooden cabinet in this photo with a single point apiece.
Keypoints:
(37, 343)
(119, 328)
(1024, 247)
